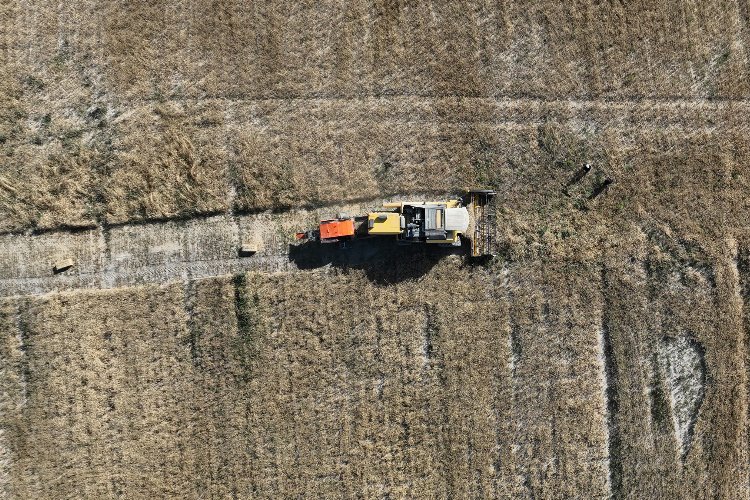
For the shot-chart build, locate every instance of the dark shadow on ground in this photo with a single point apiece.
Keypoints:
(384, 261)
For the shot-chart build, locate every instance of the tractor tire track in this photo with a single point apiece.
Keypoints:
(163, 251)
(136, 254)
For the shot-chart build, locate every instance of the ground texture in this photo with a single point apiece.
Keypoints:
(604, 353)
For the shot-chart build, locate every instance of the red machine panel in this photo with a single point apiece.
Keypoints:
(334, 229)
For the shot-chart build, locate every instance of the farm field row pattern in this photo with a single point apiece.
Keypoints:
(181, 159)
(517, 382)
(113, 113)
(603, 354)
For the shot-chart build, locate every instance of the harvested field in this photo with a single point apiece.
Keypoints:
(603, 353)
(266, 392)
(526, 380)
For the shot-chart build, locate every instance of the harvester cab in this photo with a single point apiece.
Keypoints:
(441, 223)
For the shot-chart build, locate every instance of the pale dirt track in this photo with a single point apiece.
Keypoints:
(165, 251)
(129, 255)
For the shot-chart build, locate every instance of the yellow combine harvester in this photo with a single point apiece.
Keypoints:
(441, 223)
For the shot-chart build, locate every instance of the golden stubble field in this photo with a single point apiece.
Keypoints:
(273, 385)
(603, 353)
(546, 379)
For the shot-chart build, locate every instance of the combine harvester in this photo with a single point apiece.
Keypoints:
(441, 223)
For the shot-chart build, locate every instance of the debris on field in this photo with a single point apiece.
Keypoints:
(601, 188)
(577, 176)
(62, 265)
(248, 249)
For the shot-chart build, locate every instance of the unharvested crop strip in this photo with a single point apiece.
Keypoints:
(232, 212)
(742, 267)
(23, 347)
(436, 385)
(524, 99)
(379, 355)
(514, 341)
(517, 385)
(501, 292)
(249, 329)
(192, 328)
(662, 418)
(611, 394)
(283, 209)
(430, 330)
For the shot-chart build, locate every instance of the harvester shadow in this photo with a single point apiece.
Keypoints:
(383, 260)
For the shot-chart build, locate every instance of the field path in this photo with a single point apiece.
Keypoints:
(142, 253)
(163, 251)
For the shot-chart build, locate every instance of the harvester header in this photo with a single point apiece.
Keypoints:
(442, 223)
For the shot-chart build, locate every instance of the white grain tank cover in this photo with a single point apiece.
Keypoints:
(456, 219)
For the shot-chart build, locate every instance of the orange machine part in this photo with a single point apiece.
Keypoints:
(330, 229)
